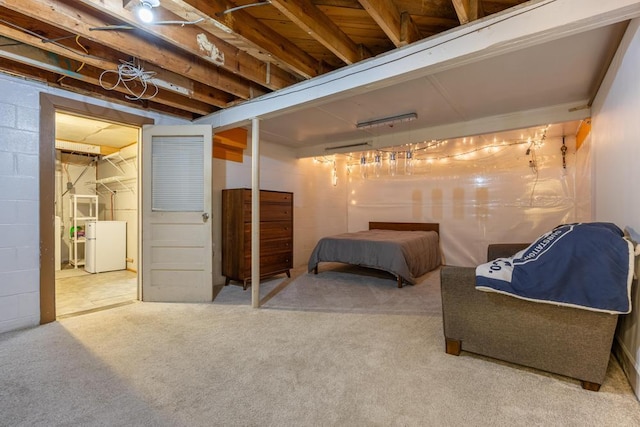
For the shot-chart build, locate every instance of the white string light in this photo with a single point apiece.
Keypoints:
(334, 173)
(419, 158)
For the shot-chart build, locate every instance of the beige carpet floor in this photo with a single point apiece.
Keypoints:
(344, 348)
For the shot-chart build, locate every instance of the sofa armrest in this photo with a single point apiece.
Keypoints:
(563, 340)
(504, 250)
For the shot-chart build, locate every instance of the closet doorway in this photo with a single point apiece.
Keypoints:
(89, 185)
(96, 209)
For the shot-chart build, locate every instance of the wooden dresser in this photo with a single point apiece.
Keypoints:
(276, 234)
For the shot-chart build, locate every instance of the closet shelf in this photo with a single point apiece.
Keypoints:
(114, 159)
(114, 183)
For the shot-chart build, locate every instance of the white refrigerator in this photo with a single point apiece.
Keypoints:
(106, 246)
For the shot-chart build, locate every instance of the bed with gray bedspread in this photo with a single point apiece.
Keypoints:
(407, 254)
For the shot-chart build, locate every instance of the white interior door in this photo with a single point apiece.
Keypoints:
(176, 249)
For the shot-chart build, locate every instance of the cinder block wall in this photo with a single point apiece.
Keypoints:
(19, 228)
(19, 194)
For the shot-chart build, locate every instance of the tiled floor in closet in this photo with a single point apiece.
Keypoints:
(79, 292)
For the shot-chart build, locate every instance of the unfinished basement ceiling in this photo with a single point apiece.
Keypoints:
(531, 78)
(542, 61)
(203, 56)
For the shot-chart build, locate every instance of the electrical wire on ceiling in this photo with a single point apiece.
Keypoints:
(52, 41)
(82, 64)
(244, 6)
(132, 77)
(130, 27)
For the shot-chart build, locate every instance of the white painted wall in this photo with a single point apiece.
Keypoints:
(489, 197)
(19, 195)
(616, 156)
(583, 182)
(319, 206)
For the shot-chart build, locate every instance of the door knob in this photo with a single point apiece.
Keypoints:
(205, 217)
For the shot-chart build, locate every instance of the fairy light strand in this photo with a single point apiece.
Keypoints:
(418, 155)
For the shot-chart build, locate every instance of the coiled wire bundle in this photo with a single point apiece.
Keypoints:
(134, 79)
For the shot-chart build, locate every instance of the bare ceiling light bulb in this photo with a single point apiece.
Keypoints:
(145, 10)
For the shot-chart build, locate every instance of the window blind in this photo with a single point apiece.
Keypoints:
(177, 173)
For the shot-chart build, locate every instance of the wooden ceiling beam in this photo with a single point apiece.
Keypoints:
(148, 104)
(25, 71)
(307, 16)
(38, 58)
(52, 79)
(396, 24)
(252, 32)
(164, 79)
(468, 10)
(80, 21)
(409, 31)
(200, 43)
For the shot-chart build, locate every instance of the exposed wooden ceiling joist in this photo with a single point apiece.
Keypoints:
(80, 22)
(38, 58)
(308, 17)
(265, 48)
(257, 37)
(468, 10)
(396, 24)
(164, 79)
(197, 42)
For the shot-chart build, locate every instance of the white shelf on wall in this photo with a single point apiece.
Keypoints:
(114, 183)
(115, 159)
(84, 207)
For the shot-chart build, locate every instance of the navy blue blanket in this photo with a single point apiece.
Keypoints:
(585, 265)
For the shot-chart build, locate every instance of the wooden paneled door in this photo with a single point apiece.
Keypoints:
(176, 244)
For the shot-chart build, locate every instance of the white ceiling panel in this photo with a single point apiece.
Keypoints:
(85, 130)
(564, 71)
(559, 72)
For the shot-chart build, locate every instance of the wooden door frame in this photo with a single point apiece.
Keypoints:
(49, 104)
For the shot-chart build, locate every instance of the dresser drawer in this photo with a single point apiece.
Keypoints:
(275, 246)
(270, 197)
(270, 231)
(275, 197)
(275, 212)
(269, 211)
(270, 263)
(271, 246)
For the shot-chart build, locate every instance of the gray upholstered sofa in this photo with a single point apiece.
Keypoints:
(567, 341)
